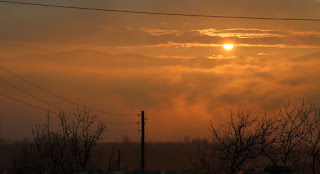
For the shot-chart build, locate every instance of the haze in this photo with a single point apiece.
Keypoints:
(173, 68)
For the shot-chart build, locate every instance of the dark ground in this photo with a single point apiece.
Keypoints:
(158, 156)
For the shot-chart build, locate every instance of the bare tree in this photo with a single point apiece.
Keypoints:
(312, 140)
(289, 138)
(292, 130)
(67, 149)
(242, 139)
(82, 133)
(35, 155)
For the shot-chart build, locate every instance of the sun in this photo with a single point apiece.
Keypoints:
(228, 46)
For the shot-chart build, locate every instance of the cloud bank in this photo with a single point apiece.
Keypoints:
(187, 91)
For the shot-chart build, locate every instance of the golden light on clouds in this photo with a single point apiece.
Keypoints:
(228, 46)
(172, 66)
(240, 33)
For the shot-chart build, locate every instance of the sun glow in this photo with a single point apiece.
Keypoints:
(228, 46)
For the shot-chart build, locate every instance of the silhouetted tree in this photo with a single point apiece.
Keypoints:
(82, 133)
(292, 130)
(289, 137)
(242, 139)
(312, 140)
(35, 157)
(67, 149)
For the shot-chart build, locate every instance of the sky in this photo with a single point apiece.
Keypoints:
(174, 68)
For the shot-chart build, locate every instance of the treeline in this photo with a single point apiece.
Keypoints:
(247, 143)
(289, 137)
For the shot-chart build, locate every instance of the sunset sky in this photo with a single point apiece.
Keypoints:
(174, 68)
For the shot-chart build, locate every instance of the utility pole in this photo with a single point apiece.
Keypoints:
(142, 141)
(0, 132)
(119, 159)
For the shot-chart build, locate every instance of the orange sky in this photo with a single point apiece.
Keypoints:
(174, 68)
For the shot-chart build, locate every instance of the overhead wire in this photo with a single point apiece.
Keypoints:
(160, 13)
(47, 110)
(124, 123)
(13, 86)
(26, 103)
(63, 98)
(40, 87)
(47, 91)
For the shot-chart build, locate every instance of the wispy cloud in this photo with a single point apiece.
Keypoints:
(188, 45)
(221, 57)
(304, 33)
(244, 33)
(264, 54)
(239, 33)
(159, 32)
(176, 57)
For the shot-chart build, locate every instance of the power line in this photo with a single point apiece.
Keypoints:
(40, 87)
(60, 97)
(161, 13)
(45, 110)
(12, 98)
(124, 123)
(34, 96)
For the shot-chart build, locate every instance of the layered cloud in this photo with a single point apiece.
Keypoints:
(188, 91)
(239, 33)
(221, 57)
(264, 54)
(158, 32)
(188, 45)
(174, 68)
(152, 41)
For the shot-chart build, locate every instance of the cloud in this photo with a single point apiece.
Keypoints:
(188, 45)
(221, 57)
(264, 54)
(167, 88)
(177, 57)
(159, 32)
(87, 58)
(152, 41)
(304, 33)
(239, 33)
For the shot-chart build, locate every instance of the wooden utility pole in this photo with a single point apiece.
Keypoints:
(119, 159)
(142, 141)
